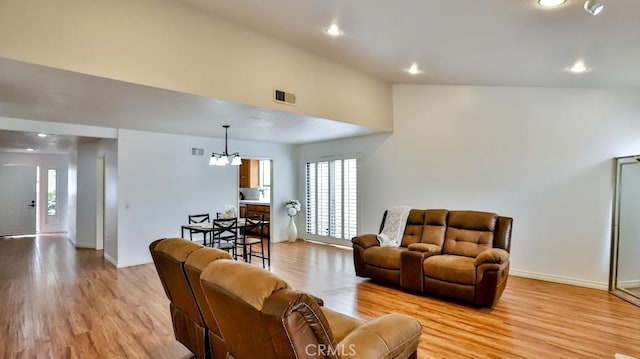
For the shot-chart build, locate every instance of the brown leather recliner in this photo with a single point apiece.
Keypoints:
(189, 325)
(474, 264)
(462, 255)
(424, 230)
(261, 317)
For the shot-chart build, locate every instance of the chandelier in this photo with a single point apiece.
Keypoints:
(222, 159)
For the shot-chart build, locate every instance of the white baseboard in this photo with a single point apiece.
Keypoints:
(559, 279)
(132, 263)
(628, 283)
(110, 260)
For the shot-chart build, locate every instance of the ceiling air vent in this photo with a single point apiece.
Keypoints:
(197, 151)
(284, 97)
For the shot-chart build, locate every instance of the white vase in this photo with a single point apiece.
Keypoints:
(292, 231)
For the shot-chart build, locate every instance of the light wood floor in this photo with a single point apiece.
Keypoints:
(59, 302)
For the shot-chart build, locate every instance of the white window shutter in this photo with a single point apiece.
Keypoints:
(331, 198)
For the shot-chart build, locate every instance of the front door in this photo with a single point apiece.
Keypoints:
(17, 200)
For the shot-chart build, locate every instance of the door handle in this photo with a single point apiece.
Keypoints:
(33, 204)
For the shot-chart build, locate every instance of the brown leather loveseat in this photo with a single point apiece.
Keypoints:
(462, 255)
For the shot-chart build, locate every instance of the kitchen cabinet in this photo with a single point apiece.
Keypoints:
(249, 174)
(258, 209)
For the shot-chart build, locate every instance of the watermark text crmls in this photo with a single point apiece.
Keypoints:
(327, 350)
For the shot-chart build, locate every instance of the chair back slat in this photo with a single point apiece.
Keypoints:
(199, 218)
(226, 228)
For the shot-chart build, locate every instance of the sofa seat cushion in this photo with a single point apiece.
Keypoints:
(450, 268)
(384, 257)
(340, 324)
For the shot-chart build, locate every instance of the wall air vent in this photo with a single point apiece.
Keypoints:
(197, 151)
(281, 96)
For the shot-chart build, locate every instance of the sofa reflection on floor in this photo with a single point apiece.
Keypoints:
(462, 255)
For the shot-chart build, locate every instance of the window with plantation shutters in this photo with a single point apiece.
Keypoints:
(331, 198)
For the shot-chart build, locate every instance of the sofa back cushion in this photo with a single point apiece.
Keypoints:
(169, 255)
(414, 227)
(469, 232)
(236, 293)
(193, 267)
(435, 226)
(425, 226)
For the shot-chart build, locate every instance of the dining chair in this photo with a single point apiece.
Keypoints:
(225, 235)
(199, 218)
(253, 234)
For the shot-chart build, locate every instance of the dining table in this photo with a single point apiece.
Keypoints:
(207, 227)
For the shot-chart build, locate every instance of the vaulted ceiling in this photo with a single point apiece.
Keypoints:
(461, 42)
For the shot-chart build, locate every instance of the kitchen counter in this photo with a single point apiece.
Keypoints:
(256, 201)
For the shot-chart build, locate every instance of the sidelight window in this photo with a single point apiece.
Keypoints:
(52, 201)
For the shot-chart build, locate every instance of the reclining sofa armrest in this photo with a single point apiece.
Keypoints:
(426, 248)
(318, 300)
(411, 269)
(492, 255)
(492, 271)
(390, 336)
(302, 320)
(411, 265)
(366, 240)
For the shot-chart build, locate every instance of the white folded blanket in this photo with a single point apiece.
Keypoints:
(394, 224)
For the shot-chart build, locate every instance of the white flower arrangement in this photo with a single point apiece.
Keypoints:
(293, 207)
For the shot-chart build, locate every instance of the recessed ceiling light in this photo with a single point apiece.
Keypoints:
(42, 135)
(333, 30)
(578, 67)
(551, 3)
(414, 69)
(593, 7)
(30, 150)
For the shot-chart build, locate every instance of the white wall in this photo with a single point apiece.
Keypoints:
(542, 156)
(60, 162)
(160, 183)
(86, 195)
(108, 149)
